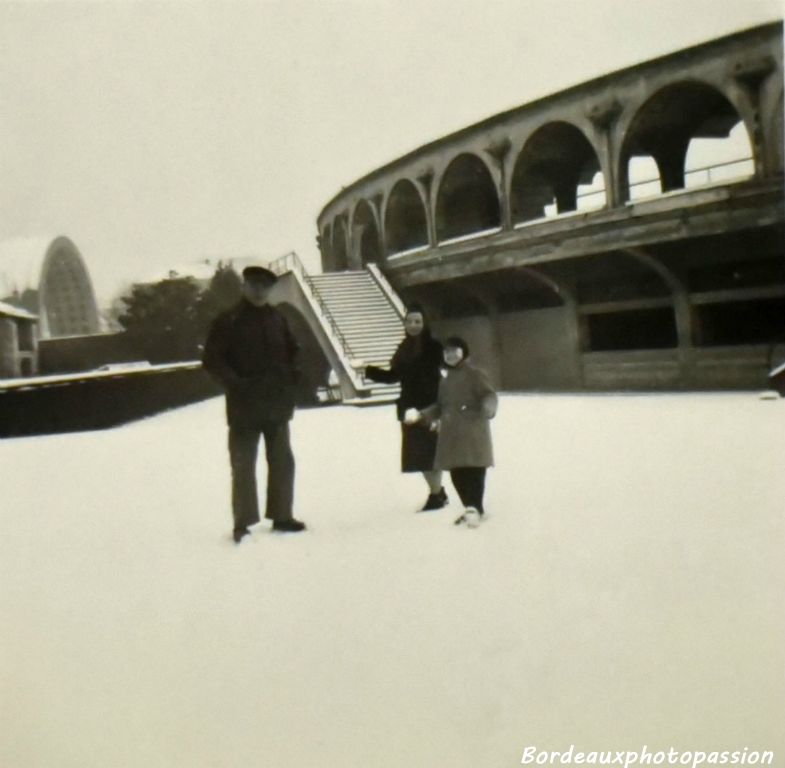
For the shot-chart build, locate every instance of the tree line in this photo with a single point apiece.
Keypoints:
(167, 321)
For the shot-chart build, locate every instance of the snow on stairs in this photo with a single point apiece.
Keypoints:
(368, 321)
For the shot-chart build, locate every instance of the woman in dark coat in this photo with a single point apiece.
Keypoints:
(416, 365)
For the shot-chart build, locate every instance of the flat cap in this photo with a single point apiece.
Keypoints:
(259, 275)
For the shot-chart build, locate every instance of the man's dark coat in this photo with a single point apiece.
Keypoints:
(252, 353)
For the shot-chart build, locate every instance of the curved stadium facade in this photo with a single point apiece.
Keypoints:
(623, 233)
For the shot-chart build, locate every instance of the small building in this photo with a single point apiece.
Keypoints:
(18, 342)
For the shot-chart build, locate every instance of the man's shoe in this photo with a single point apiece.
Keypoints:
(288, 526)
(435, 501)
(239, 533)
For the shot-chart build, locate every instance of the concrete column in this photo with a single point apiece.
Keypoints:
(566, 197)
(343, 232)
(492, 313)
(670, 161)
(9, 348)
(604, 116)
(356, 240)
(426, 181)
(499, 150)
(376, 206)
(751, 75)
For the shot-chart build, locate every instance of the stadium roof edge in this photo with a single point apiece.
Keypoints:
(499, 117)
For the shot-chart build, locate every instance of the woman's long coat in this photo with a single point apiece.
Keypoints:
(415, 365)
(466, 404)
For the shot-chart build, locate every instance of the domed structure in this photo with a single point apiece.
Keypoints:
(48, 277)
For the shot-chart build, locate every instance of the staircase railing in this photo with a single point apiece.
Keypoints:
(290, 262)
(387, 289)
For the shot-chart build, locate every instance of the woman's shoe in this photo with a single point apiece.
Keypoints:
(435, 501)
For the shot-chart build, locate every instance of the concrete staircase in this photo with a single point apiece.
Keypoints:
(369, 320)
(357, 319)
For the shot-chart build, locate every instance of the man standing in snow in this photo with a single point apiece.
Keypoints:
(252, 354)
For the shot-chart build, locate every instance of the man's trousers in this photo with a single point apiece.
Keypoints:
(243, 452)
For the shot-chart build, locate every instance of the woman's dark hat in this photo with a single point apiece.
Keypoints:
(259, 275)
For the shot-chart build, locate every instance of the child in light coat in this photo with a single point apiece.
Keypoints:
(465, 405)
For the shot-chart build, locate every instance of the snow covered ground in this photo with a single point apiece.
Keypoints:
(626, 590)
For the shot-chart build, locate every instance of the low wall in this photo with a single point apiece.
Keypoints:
(77, 403)
(84, 353)
(538, 350)
(708, 368)
(735, 367)
(634, 370)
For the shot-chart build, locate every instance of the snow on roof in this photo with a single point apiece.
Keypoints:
(9, 310)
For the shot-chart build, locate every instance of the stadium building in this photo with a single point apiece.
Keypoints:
(625, 233)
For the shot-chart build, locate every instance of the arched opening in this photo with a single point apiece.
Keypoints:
(735, 283)
(644, 178)
(691, 134)
(591, 194)
(365, 234)
(405, 223)
(461, 305)
(557, 171)
(624, 305)
(467, 201)
(526, 290)
(717, 161)
(339, 249)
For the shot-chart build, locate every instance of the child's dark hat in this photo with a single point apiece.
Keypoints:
(456, 342)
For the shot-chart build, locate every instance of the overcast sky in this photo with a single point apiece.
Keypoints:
(155, 134)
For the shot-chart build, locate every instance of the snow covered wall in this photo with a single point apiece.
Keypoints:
(112, 395)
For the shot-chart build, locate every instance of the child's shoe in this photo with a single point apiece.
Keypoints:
(471, 516)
